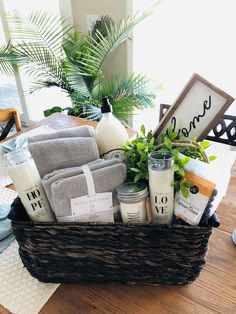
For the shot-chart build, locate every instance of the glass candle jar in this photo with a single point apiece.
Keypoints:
(25, 176)
(161, 178)
(132, 198)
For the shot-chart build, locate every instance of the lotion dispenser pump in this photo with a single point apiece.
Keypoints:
(110, 134)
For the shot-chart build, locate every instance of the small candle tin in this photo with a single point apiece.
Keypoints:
(132, 198)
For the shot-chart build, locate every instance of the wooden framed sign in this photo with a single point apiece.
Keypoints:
(198, 108)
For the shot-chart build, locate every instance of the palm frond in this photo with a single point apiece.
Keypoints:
(101, 26)
(38, 54)
(85, 107)
(42, 28)
(100, 45)
(92, 112)
(123, 108)
(38, 39)
(134, 87)
(127, 93)
(8, 60)
(38, 85)
(41, 65)
(81, 84)
(76, 46)
(73, 45)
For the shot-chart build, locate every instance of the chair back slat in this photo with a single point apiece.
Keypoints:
(11, 116)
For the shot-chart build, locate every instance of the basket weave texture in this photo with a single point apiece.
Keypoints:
(89, 252)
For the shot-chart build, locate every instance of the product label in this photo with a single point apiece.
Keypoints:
(93, 208)
(134, 213)
(36, 200)
(162, 207)
(161, 202)
(191, 209)
(117, 153)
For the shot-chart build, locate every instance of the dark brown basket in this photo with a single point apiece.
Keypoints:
(86, 252)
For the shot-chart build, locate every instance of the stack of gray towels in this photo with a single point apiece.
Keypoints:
(59, 157)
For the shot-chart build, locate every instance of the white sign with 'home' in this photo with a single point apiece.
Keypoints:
(197, 109)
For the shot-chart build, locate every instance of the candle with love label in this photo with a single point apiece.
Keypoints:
(25, 176)
(161, 178)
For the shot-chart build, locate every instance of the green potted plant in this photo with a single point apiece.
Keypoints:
(136, 156)
(52, 53)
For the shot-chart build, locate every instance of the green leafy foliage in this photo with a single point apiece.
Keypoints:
(180, 183)
(8, 60)
(136, 154)
(211, 158)
(178, 167)
(184, 187)
(137, 150)
(55, 109)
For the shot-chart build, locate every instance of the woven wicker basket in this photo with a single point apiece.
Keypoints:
(91, 252)
(86, 252)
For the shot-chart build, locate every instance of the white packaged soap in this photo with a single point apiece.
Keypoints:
(213, 172)
(191, 209)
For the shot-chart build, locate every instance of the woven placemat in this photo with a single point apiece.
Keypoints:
(20, 293)
(7, 195)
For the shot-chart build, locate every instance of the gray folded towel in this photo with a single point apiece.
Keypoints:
(105, 180)
(62, 153)
(56, 175)
(80, 131)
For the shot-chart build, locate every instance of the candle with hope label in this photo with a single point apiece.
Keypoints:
(161, 177)
(27, 181)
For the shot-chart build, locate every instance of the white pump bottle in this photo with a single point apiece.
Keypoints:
(110, 134)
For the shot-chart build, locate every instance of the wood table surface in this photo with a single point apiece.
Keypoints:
(213, 292)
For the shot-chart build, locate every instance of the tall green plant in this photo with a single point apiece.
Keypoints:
(53, 54)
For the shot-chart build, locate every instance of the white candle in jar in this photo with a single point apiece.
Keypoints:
(27, 182)
(132, 198)
(161, 178)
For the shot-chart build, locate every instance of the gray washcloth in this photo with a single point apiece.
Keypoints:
(80, 131)
(56, 175)
(105, 180)
(62, 153)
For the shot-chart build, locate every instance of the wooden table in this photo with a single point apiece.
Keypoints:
(213, 292)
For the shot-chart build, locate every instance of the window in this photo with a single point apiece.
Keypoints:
(32, 105)
(8, 90)
(183, 37)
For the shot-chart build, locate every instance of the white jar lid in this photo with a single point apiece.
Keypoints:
(131, 191)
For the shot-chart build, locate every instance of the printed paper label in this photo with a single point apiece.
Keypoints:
(94, 208)
(117, 153)
(190, 209)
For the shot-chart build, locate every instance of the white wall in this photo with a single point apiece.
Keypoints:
(183, 37)
(119, 61)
